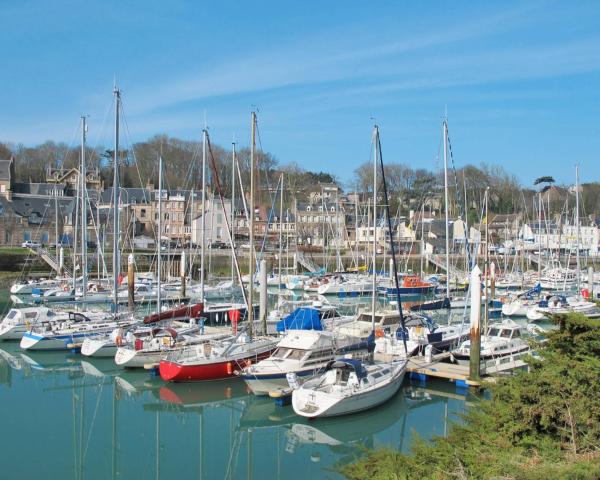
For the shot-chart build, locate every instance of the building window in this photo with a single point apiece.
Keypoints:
(143, 213)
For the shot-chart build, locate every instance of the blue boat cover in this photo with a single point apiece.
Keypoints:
(352, 363)
(303, 318)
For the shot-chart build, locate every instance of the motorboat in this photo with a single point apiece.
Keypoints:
(559, 304)
(502, 339)
(419, 332)
(305, 353)
(72, 331)
(217, 359)
(18, 320)
(347, 386)
(409, 285)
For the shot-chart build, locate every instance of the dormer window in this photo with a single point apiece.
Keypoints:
(308, 208)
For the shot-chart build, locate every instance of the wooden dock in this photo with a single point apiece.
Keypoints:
(420, 368)
(438, 367)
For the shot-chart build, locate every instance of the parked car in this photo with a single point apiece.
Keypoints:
(218, 245)
(30, 244)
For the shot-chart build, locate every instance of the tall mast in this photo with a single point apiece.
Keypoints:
(422, 235)
(487, 264)
(540, 237)
(374, 253)
(232, 210)
(445, 128)
(83, 211)
(578, 228)
(251, 265)
(160, 218)
(280, 233)
(116, 259)
(203, 220)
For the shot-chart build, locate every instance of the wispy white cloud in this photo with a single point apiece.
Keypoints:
(349, 65)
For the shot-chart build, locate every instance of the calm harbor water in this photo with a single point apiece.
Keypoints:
(67, 417)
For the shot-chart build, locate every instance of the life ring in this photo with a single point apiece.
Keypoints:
(585, 293)
(65, 288)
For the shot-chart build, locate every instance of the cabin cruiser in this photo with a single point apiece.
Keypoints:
(558, 279)
(70, 332)
(303, 352)
(18, 320)
(347, 386)
(557, 304)
(501, 340)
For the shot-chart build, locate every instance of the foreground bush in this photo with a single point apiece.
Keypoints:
(541, 424)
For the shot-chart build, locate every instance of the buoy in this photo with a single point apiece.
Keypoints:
(379, 333)
(229, 368)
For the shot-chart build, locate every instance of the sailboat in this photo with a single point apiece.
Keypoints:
(558, 304)
(347, 385)
(224, 358)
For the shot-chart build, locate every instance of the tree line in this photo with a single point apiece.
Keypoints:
(407, 186)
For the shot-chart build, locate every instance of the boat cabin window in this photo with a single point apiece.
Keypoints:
(493, 332)
(505, 333)
(296, 354)
(386, 321)
(77, 317)
(30, 314)
(342, 375)
(329, 313)
(516, 333)
(281, 353)
(11, 314)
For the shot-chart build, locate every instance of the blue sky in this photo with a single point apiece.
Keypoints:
(520, 80)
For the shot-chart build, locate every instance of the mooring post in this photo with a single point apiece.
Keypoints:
(475, 353)
(182, 273)
(591, 283)
(130, 283)
(61, 261)
(263, 295)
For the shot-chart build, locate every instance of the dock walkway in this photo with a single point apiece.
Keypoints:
(419, 367)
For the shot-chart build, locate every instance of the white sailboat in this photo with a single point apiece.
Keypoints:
(348, 386)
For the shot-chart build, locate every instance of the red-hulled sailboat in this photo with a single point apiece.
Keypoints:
(216, 360)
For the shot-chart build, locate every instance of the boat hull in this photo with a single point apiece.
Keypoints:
(129, 358)
(263, 384)
(12, 332)
(351, 404)
(176, 372)
(32, 341)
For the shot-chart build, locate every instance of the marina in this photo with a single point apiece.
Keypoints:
(300, 241)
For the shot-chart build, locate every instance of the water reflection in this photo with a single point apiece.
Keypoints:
(87, 419)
